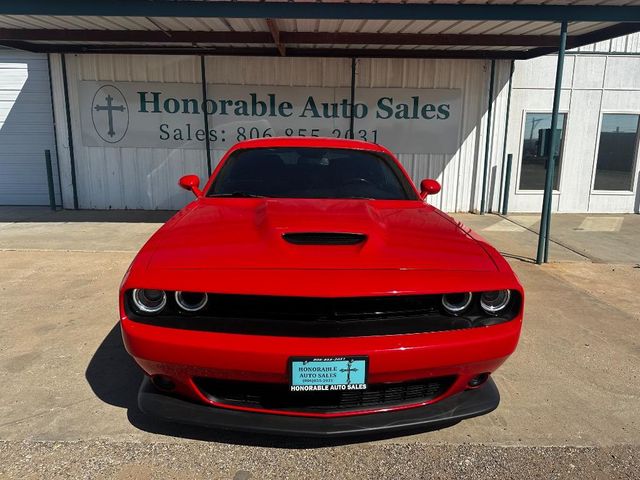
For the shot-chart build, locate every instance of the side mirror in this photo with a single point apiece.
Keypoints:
(429, 186)
(191, 183)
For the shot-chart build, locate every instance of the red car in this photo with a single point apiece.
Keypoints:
(310, 289)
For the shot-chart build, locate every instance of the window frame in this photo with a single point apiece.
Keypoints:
(523, 122)
(636, 160)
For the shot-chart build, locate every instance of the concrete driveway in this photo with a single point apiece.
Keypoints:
(570, 394)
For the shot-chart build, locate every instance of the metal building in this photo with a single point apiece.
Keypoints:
(138, 90)
(26, 128)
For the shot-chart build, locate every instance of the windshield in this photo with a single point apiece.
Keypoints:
(302, 172)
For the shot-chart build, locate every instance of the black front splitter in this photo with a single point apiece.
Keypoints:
(466, 404)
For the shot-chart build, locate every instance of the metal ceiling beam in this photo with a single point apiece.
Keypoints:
(150, 36)
(278, 37)
(19, 45)
(355, 38)
(317, 10)
(275, 33)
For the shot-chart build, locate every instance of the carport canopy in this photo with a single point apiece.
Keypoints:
(488, 29)
(497, 29)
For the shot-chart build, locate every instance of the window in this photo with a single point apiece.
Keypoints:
(617, 152)
(300, 172)
(537, 134)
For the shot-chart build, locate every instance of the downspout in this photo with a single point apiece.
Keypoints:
(72, 159)
(207, 141)
(485, 170)
(504, 143)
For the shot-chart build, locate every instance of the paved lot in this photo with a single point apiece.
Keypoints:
(574, 237)
(570, 395)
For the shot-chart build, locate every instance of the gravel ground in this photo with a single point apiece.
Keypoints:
(570, 394)
(54, 460)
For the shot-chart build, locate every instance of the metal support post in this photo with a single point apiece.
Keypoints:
(207, 141)
(545, 218)
(353, 98)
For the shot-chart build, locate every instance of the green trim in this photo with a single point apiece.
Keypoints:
(313, 10)
(487, 145)
(504, 181)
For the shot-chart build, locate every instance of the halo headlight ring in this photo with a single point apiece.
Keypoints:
(455, 306)
(495, 301)
(149, 301)
(191, 306)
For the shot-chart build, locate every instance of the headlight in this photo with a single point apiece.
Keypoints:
(456, 303)
(149, 301)
(495, 301)
(191, 301)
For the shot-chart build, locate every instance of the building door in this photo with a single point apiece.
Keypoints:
(26, 129)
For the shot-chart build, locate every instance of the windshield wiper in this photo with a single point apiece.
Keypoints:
(237, 195)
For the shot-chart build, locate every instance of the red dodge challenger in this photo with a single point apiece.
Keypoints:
(310, 289)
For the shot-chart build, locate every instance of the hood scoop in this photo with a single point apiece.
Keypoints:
(324, 238)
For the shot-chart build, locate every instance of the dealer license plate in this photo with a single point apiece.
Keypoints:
(310, 374)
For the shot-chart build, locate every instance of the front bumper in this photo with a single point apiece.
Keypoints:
(465, 404)
(184, 355)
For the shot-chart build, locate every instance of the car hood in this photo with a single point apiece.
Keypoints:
(236, 233)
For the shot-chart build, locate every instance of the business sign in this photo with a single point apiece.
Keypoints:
(171, 115)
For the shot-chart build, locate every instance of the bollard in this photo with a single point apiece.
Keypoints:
(52, 193)
(507, 179)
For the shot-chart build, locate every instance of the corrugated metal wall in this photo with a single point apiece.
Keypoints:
(293, 72)
(461, 173)
(119, 178)
(26, 129)
(145, 178)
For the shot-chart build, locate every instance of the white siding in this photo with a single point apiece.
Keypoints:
(146, 178)
(625, 44)
(592, 85)
(26, 129)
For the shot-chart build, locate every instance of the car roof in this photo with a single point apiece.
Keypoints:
(313, 142)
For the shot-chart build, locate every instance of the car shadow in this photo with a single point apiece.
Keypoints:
(115, 378)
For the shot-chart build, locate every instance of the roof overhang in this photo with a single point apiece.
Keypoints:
(302, 28)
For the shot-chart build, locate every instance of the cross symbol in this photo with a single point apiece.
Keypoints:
(349, 370)
(109, 108)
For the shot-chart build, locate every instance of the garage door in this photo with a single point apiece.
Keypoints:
(26, 129)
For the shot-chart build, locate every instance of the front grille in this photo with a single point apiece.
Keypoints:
(276, 396)
(318, 316)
